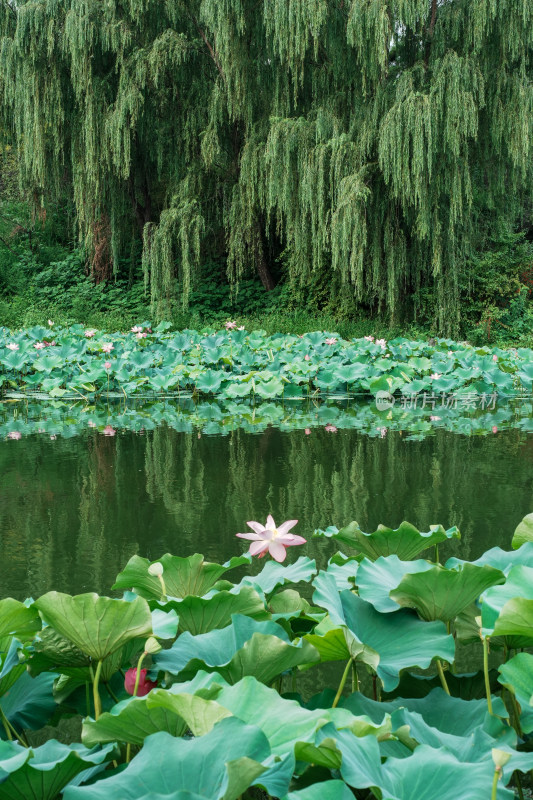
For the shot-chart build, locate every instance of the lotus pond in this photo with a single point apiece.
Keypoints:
(373, 662)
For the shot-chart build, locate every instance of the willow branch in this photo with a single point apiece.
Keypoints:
(212, 51)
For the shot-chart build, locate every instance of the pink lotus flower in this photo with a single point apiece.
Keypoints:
(434, 419)
(107, 347)
(494, 429)
(108, 431)
(382, 343)
(369, 338)
(330, 428)
(141, 335)
(39, 345)
(308, 431)
(14, 435)
(240, 328)
(89, 333)
(332, 340)
(383, 432)
(107, 365)
(269, 538)
(230, 325)
(137, 329)
(144, 685)
(435, 375)
(307, 357)
(12, 346)
(494, 358)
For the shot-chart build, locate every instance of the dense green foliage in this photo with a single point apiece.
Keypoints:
(217, 660)
(370, 156)
(233, 363)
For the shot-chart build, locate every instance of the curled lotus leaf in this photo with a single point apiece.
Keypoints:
(406, 542)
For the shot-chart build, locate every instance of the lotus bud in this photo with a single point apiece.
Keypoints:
(156, 569)
(152, 646)
(500, 758)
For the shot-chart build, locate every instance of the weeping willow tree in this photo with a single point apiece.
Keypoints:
(365, 142)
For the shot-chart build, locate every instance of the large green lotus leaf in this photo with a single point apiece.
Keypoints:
(501, 559)
(375, 579)
(400, 639)
(325, 790)
(203, 614)
(246, 647)
(134, 719)
(182, 576)
(427, 774)
(517, 676)
(40, 773)
(30, 703)
(344, 570)
(218, 766)
(516, 619)
(335, 642)
(274, 574)
(442, 594)
(406, 542)
(10, 666)
(18, 620)
(523, 533)
(519, 584)
(97, 625)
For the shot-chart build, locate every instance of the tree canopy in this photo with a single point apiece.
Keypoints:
(367, 145)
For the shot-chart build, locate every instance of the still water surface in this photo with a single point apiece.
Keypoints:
(73, 511)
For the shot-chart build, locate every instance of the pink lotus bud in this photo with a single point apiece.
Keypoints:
(144, 685)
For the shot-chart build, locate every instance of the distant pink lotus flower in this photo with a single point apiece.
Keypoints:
(382, 343)
(53, 437)
(307, 357)
(330, 428)
(39, 345)
(450, 352)
(50, 322)
(107, 347)
(495, 358)
(141, 335)
(494, 429)
(383, 432)
(435, 375)
(369, 338)
(307, 431)
(144, 686)
(331, 340)
(137, 329)
(434, 419)
(14, 435)
(108, 431)
(12, 346)
(230, 325)
(269, 538)
(107, 365)
(89, 333)
(240, 328)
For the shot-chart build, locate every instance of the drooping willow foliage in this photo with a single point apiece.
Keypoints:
(369, 140)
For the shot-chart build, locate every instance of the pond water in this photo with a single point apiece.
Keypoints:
(75, 508)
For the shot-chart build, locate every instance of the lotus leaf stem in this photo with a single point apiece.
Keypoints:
(96, 694)
(111, 692)
(355, 678)
(6, 725)
(516, 713)
(341, 684)
(486, 672)
(442, 677)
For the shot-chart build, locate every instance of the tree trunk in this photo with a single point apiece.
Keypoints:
(263, 271)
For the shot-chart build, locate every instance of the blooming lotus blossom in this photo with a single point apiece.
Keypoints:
(107, 365)
(272, 539)
(107, 347)
(494, 429)
(332, 340)
(308, 431)
(494, 358)
(89, 333)
(144, 685)
(230, 325)
(434, 418)
(369, 338)
(240, 328)
(307, 357)
(50, 322)
(39, 345)
(14, 435)
(141, 335)
(12, 346)
(108, 431)
(435, 375)
(383, 432)
(382, 343)
(137, 329)
(330, 428)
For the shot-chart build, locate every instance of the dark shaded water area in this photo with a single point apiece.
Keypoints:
(74, 510)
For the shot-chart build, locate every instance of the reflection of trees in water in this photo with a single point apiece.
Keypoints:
(73, 511)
